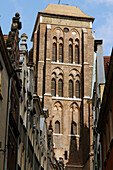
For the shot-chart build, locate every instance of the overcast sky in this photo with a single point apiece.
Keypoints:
(101, 10)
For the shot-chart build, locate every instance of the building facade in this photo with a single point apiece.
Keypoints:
(105, 120)
(63, 47)
(98, 88)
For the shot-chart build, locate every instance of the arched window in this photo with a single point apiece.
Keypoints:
(60, 87)
(60, 52)
(74, 128)
(77, 89)
(57, 127)
(53, 87)
(70, 54)
(77, 54)
(54, 56)
(70, 88)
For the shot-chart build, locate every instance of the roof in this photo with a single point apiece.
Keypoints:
(65, 10)
(62, 10)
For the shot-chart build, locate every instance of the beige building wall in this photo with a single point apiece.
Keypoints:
(3, 108)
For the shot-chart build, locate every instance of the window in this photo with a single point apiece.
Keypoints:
(70, 54)
(53, 87)
(54, 56)
(65, 155)
(76, 54)
(77, 89)
(60, 52)
(74, 128)
(57, 127)
(60, 87)
(1, 72)
(70, 88)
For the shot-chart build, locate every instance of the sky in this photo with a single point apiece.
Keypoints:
(101, 10)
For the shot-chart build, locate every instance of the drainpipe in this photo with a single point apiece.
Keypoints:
(26, 153)
(7, 124)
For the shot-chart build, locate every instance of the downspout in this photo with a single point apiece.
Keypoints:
(7, 124)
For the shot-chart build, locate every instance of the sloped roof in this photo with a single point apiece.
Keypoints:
(65, 10)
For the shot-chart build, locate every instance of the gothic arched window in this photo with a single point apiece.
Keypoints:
(77, 54)
(54, 55)
(60, 87)
(70, 54)
(77, 89)
(57, 127)
(53, 87)
(74, 128)
(70, 88)
(60, 52)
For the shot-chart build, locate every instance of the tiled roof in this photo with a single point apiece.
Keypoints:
(65, 10)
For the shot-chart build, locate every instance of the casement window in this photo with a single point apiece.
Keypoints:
(77, 89)
(74, 128)
(57, 127)
(60, 88)
(54, 55)
(70, 88)
(53, 87)
(61, 53)
(77, 54)
(1, 73)
(70, 54)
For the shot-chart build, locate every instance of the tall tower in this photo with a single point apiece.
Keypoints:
(63, 47)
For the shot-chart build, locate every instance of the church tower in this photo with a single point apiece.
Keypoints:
(63, 47)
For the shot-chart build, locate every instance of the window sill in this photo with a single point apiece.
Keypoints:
(57, 134)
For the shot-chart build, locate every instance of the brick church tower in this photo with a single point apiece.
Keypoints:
(63, 47)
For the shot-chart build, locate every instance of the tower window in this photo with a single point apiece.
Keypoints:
(74, 128)
(53, 87)
(70, 54)
(60, 87)
(57, 127)
(70, 88)
(76, 54)
(65, 155)
(54, 56)
(60, 52)
(77, 89)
